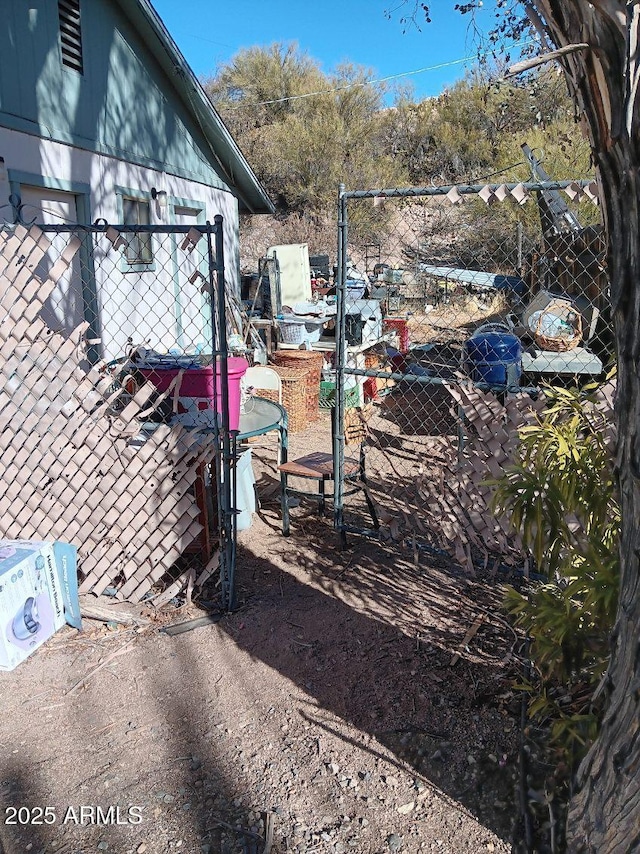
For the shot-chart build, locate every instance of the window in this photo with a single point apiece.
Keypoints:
(138, 250)
(70, 34)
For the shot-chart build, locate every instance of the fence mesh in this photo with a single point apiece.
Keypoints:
(456, 306)
(103, 445)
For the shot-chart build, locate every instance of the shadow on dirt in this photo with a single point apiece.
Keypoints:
(365, 640)
(372, 638)
(21, 824)
(133, 768)
(416, 410)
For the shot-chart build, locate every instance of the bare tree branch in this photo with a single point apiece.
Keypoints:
(535, 61)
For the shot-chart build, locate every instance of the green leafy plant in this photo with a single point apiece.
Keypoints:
(561, 498)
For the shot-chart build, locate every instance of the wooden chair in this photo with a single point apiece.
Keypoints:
(318, 466)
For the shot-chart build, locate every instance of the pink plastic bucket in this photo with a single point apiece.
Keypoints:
(199, 383)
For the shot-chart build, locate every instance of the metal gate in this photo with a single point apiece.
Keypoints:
(482, 294)
(100, 446)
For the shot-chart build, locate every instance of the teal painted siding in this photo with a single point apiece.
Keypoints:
(124, 104)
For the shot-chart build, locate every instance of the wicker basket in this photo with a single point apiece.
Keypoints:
(312, 362)
(565, 312)
(294, 395)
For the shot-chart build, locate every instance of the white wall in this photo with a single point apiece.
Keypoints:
(142, 305)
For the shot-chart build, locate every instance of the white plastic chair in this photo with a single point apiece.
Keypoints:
(261, 377)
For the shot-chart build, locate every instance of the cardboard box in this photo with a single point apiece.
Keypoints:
(38, 595)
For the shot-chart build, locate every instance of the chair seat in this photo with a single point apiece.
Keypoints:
(318, 465)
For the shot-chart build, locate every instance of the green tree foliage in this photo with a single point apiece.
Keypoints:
(473, 134)
(476, 128)
(303, 147)
(561, 498)
(305, 131)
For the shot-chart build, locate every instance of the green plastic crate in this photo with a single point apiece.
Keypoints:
(328, 395)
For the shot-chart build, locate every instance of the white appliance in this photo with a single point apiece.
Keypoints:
(294, 274)
(370, 314)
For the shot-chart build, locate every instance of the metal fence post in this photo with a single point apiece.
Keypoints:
(221, 375)
(341, 351)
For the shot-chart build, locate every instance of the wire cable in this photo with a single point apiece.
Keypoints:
(448, 64)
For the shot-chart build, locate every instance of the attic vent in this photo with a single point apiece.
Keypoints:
(70, 34)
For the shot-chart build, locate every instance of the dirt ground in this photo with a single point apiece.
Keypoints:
(328, 707)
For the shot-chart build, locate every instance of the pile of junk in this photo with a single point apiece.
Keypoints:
(558, 326)
(549, 339)
(291, 301)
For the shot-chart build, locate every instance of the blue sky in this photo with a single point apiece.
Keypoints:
(209, 33)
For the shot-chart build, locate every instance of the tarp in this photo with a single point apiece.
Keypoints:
(479, 278)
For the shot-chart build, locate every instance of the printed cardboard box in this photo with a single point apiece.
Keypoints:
(38, 595)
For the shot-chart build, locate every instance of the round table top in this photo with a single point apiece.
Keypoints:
(259, 416)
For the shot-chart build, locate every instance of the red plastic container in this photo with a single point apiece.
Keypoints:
(199, 383)
(399, 325)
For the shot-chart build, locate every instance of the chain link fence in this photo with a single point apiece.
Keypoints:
(456, 305)
(103, 443)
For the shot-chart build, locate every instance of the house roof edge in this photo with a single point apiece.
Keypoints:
(224, 150)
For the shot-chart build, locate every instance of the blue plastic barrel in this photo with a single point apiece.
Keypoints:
(494, 356)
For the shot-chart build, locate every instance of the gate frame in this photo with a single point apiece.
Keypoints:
(225, 471)
(342, 370)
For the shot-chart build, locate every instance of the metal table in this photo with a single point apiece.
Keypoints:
(578, 361)
(261, 416)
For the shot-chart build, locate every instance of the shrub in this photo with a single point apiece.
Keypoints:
(561, 497)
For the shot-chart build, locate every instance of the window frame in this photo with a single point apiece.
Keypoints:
(139, 264)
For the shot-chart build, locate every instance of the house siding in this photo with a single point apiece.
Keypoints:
(95, 181)
(123, 105)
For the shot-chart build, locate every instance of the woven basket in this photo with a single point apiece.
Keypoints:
(566, 312)
(312, 362)
(294, 395)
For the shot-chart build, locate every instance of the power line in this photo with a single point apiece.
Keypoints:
(202, 39)
(452, 62)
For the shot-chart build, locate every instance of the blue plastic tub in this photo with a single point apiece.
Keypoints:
(494, 356)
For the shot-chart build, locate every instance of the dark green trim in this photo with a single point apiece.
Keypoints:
(34, 180)
(131, 193)
(80, 190)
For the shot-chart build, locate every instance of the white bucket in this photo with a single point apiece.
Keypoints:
(245, 500)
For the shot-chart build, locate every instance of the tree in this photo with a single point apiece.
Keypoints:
(304, 131)
(476, 127)
(598, 47)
